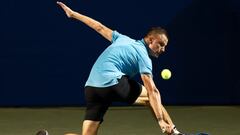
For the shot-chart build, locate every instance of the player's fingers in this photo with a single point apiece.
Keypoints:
(61, 4)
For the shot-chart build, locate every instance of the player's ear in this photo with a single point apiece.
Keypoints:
(150, 39)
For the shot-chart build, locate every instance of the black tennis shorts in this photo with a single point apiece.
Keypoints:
(99, 99)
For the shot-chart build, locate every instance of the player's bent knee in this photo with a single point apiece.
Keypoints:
(144, 92)
(142, 101)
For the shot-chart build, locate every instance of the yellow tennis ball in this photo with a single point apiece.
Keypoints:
(166, 74)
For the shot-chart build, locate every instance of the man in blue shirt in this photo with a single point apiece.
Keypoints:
(124, 56)
(110, 77)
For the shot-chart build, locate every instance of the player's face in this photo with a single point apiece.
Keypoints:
(158, 44)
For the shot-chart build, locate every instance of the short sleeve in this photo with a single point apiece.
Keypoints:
(145, 65)
(115, 36)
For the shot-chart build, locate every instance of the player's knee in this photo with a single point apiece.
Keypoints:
(144, 92)
(90, 127)
(142, 101)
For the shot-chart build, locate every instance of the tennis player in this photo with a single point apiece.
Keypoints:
(111, 76)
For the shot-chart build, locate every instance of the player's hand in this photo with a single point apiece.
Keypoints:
(69, 12)
(166, 128)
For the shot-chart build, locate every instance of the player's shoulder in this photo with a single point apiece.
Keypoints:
(119, 36)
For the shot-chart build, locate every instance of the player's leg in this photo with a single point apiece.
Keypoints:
(90, 127)
(94, 117)
(143, 97)
(97, 104)
(134, 93)
(143, 100)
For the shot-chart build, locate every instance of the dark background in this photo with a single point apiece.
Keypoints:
(45, 58)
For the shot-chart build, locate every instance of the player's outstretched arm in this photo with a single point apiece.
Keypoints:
(155, 102)
(97, 26)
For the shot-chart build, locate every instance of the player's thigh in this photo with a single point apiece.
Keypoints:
(127, 90)
(97, 102)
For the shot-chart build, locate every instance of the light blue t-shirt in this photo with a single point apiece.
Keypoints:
(125, 56)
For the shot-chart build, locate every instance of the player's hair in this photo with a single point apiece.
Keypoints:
(156, 30)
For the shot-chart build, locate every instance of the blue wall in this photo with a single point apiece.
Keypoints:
(45, 58)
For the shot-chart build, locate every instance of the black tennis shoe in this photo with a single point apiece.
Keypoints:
(42, 132)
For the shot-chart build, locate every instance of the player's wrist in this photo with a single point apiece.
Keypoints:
(159, 119)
